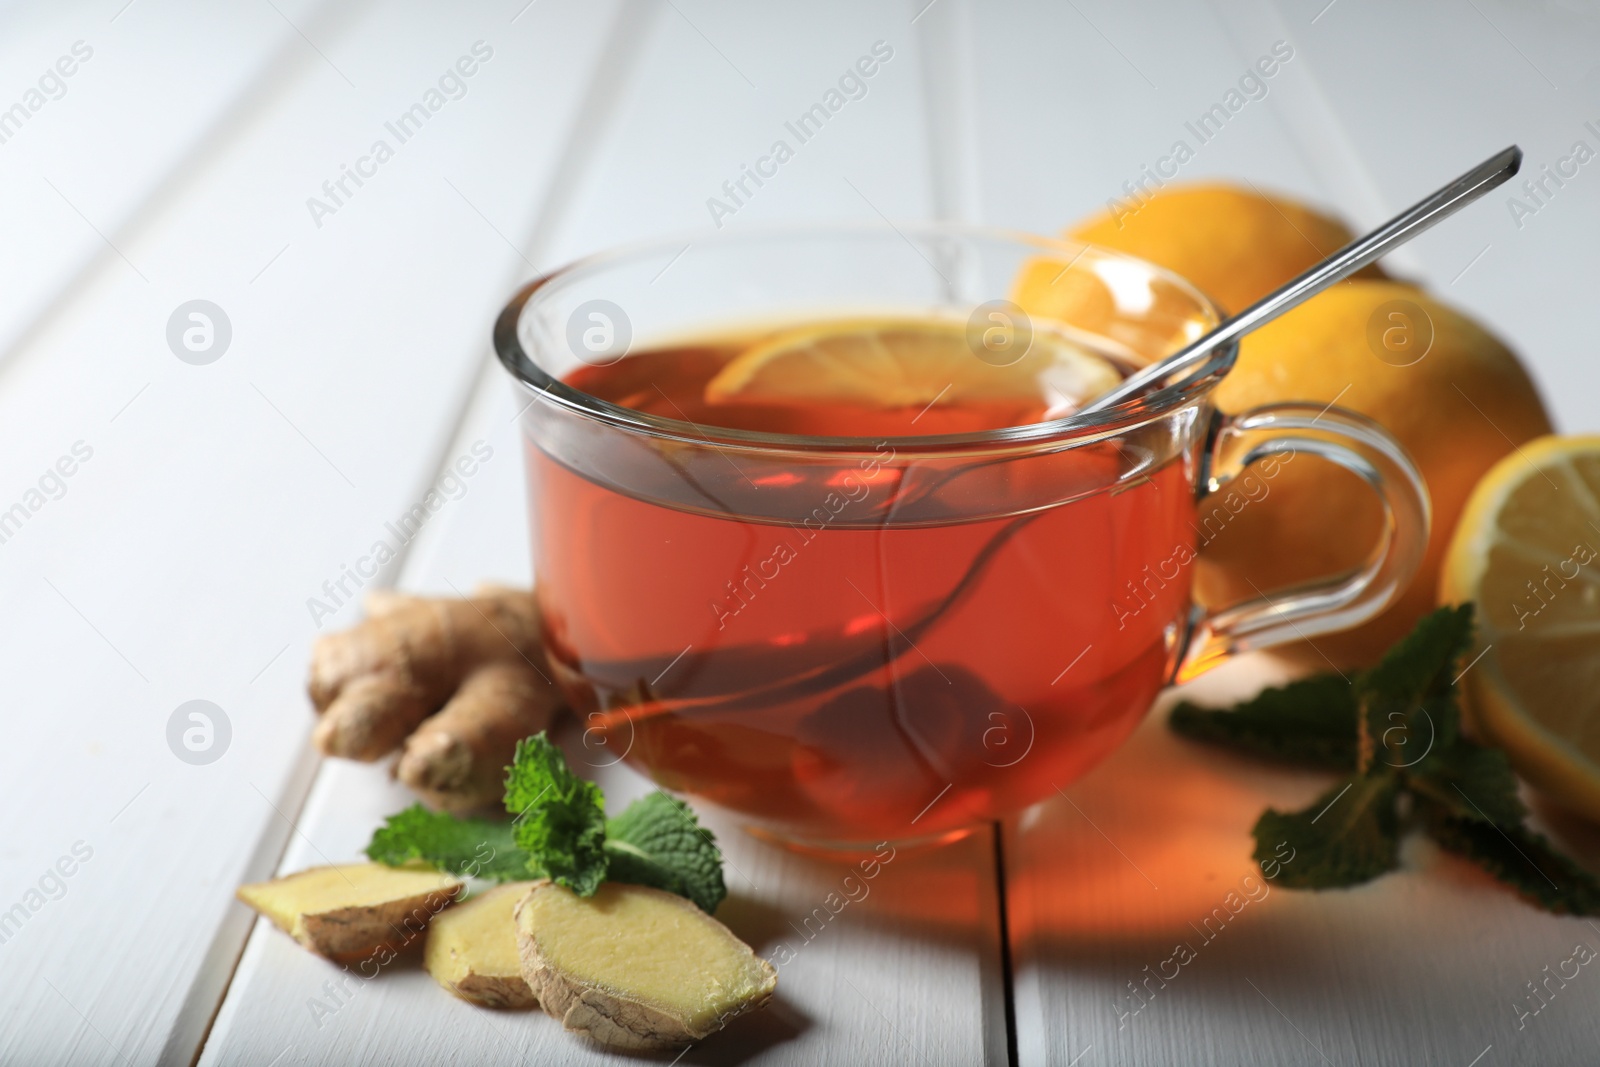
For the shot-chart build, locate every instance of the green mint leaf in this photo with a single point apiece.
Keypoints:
(560, 818)
(1471, 782)
(1350, 835)
(1518, 857)
(1410, 695)
(478, 848)
(1422, 663)
(560, 832)
(1398, 725)
(658, 842)
(1311, 723)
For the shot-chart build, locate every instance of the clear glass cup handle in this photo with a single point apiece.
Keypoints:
(1340, 601)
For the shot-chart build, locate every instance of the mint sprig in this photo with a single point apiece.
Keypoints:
(560, 818)
(560, 832)
(1396, 730)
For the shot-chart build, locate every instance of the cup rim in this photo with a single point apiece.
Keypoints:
(1143, 408)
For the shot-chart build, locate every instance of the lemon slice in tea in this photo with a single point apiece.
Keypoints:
(914, 363)
(1527, 551)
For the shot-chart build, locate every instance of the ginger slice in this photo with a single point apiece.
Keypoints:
(472, 950)
(634, 967)
(353, 911)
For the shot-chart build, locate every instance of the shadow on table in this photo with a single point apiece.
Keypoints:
(946, 895)
(1137, 893)
(751, 1036)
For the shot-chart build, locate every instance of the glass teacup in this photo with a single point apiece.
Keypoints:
(891, 634)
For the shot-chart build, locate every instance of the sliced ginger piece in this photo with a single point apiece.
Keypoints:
(634, 967)
(472, 950)
(353, 911)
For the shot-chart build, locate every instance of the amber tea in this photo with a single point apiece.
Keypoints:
(881, 665)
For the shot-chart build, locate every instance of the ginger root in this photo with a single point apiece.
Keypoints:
(355, 911)
(456, 760)
(480, 659)
(634, 967)
(472, 950)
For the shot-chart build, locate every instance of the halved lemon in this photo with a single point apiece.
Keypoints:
(913, 363)
(1527, 551)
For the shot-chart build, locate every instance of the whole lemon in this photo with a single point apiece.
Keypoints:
(1447, 389)
(1236, 245)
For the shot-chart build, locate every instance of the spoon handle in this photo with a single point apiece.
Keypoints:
(1352, 257)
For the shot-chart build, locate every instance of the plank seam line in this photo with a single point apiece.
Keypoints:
(597, 110)
(947, 90)
(305, 776)
(1005, 942)
(616, 70)
(947, 96)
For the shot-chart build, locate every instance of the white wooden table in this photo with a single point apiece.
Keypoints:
(209, 502)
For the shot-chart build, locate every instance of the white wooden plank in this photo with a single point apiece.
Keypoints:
(1076, 103)
(923, 949)
(178, 562)
(120, 104)
(1377, 105)
(907, 951)
(714, 95)
(1441, 86)
(1428, 965)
